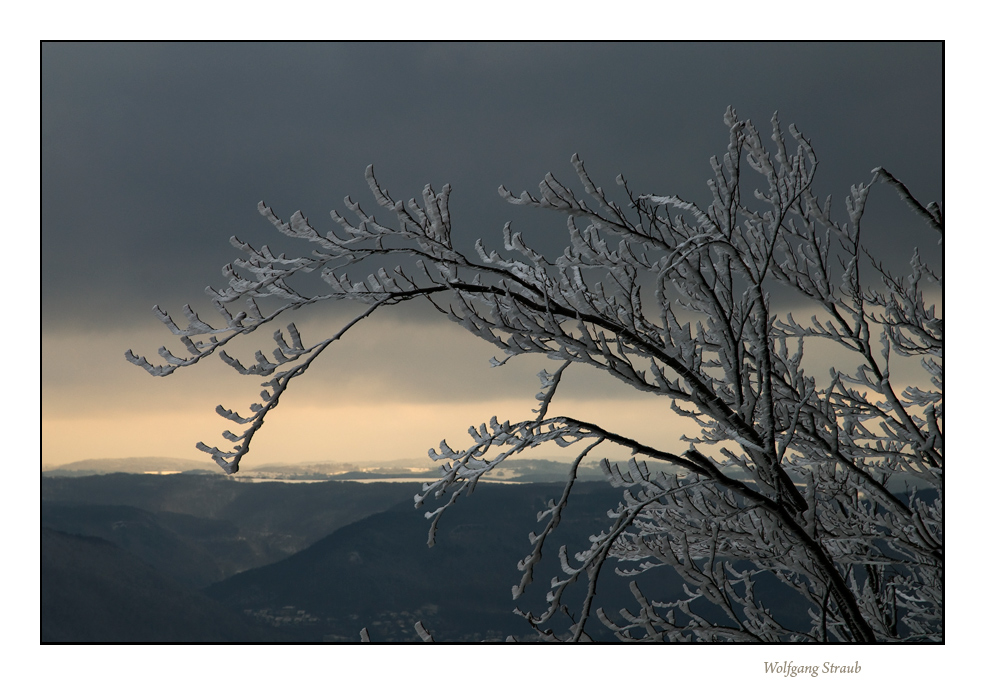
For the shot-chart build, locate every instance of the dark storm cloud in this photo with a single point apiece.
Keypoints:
(154, 154)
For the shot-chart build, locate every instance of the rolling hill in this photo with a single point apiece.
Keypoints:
(93, 591)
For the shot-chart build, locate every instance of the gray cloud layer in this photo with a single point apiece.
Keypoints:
(154, 154)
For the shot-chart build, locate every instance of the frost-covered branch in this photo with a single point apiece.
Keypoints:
(832, 487)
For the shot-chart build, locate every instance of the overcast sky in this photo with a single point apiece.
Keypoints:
(153, 155)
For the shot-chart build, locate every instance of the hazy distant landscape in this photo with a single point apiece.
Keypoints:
(516, 470)
(304, 554)
(197, 556)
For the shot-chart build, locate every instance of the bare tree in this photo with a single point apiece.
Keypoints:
(834, 487)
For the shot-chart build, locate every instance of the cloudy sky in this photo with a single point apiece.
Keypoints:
(153, 155)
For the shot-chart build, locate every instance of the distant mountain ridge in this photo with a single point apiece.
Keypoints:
(515, 470)
(130, 465)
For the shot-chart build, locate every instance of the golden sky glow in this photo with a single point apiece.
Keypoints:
(390, 389)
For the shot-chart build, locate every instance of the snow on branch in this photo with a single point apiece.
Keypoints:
(802, 478)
